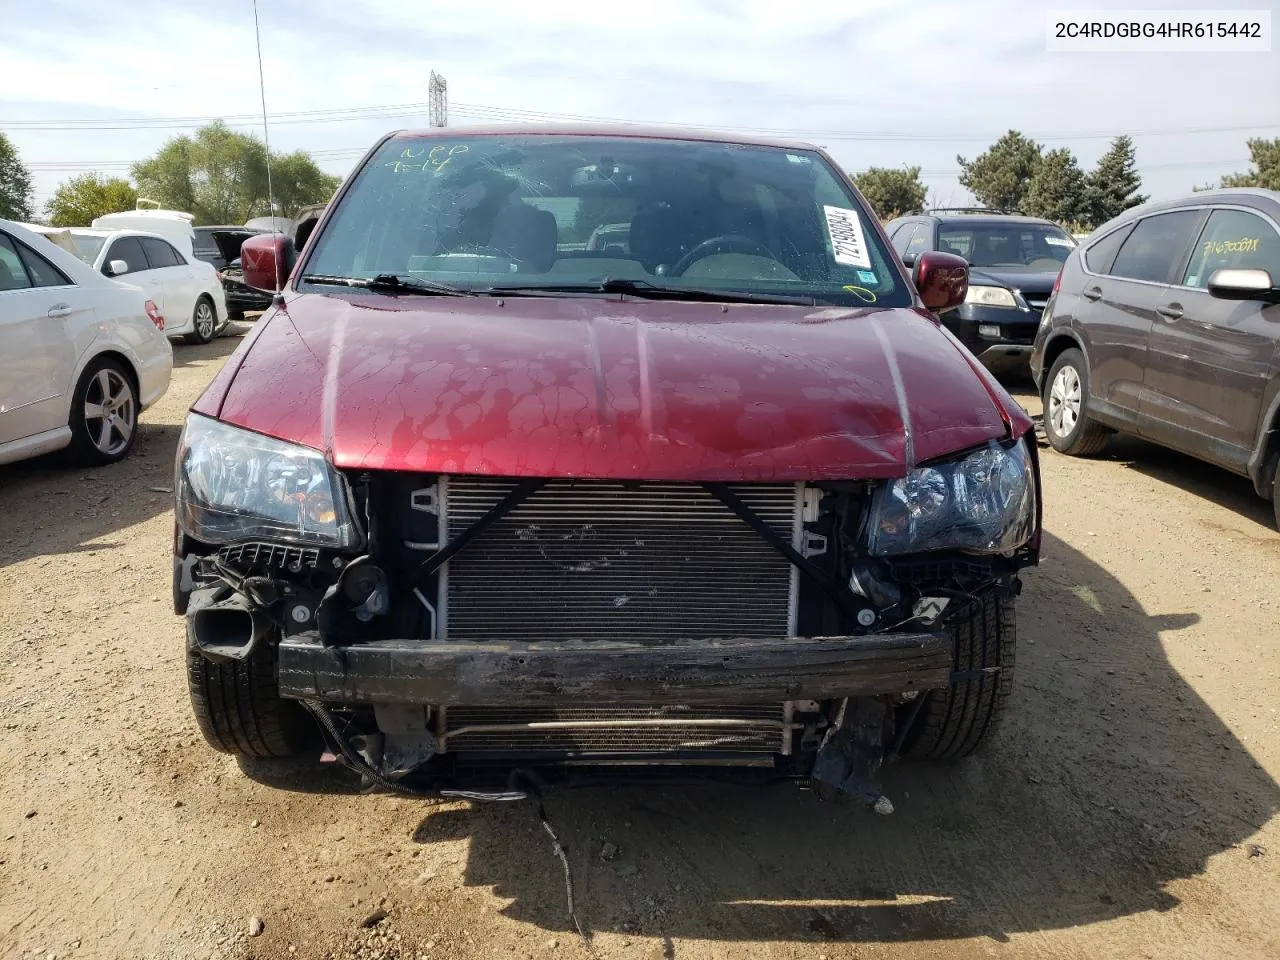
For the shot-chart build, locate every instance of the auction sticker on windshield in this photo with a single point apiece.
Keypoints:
(848, 245)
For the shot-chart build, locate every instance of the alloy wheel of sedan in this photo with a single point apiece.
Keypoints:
(204, 321)
(110, 412)
(1065, 400)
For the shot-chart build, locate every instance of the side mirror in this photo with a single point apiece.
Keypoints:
(117, 267)
(909, 259)
(942, 280)
(267, 261)
(1243, 285)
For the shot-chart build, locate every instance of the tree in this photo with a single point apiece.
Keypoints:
(1265, 155)
(1000, 177)
(1057, 190)
(220, 176)
(891, 191)
(15, 183)
(1112, 187)
(79, 200)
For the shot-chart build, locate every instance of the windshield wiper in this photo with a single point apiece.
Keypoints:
(650, 291)
(391, 283)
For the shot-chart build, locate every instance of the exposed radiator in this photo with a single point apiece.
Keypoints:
(598, 732)
(600, 559)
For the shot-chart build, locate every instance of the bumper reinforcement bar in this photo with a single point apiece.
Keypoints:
(460, 673)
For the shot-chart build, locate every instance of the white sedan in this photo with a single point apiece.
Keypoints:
(187, 290)
(81, 355)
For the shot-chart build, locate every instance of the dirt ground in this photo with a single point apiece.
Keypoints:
(1129, 809)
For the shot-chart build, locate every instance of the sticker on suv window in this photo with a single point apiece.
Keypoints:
(1058, 242)
(848, 245)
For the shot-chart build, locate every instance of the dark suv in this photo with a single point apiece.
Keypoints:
(1166, 324)
(1013, 262)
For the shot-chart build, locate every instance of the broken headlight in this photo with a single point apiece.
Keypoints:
(984, 502)
(233, 484)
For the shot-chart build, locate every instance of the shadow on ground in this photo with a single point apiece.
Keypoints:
(185, 354)
(1111, 779)
(1204, 480)
(50, 509)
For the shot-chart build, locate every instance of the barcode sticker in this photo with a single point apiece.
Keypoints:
(848, 245)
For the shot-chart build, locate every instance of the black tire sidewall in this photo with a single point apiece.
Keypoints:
(1074, 358)
(82, 449)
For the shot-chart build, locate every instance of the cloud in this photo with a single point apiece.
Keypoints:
(840, 74)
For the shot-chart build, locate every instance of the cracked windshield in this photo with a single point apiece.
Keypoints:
(690, 481)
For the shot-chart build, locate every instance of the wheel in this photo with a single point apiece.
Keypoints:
(955, 721)
(239, 711)
(104, 414)
(204, 320)
(235, 316)
(1275, 487)
(1066, 408)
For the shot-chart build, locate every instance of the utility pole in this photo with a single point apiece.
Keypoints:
(438, 95)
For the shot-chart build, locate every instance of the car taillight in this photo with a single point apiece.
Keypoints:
(154, 313)
(1057, 282)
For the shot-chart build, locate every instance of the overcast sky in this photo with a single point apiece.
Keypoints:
(878, 82)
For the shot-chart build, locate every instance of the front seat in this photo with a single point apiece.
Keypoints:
(527, 235)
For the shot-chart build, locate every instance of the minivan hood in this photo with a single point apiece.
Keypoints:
(609, 388)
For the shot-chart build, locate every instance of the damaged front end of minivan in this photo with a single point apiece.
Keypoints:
(446, 629)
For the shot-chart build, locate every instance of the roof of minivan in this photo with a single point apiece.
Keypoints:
(634, 130)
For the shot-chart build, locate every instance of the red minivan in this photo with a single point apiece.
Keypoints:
(479, 495)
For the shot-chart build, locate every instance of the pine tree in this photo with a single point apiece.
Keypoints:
(999, 178)
(1057, 191)
(1114, 183)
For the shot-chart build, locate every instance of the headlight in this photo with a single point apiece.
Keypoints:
(985, 503)
(990, 296)
(236, 485)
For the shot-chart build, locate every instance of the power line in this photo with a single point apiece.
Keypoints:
(486, 112)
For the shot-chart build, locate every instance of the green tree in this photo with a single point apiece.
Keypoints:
(1057, 190)
(220, 176)
(892, 191)
(79, 200)
(1000, 177)
(1265, 155)
(1113, 185)
(15, 183)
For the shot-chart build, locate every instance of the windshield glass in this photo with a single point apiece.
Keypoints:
(1012, 246)
(543, 211)
(87, 246)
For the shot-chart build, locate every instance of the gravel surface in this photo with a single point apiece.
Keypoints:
(1129, 809)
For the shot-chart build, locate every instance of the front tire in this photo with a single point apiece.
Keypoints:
(204, 322)
(956, 721)
(104, 414)
(239, 710)
(1067, 423)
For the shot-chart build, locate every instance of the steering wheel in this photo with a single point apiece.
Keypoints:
(725, 243)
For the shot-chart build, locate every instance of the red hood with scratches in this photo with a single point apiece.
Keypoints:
(610, 388)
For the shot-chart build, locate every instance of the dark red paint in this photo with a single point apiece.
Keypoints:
(941, 279)
(265, 260)
(591, 387)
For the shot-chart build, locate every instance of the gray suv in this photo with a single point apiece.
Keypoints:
(1166, 325)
